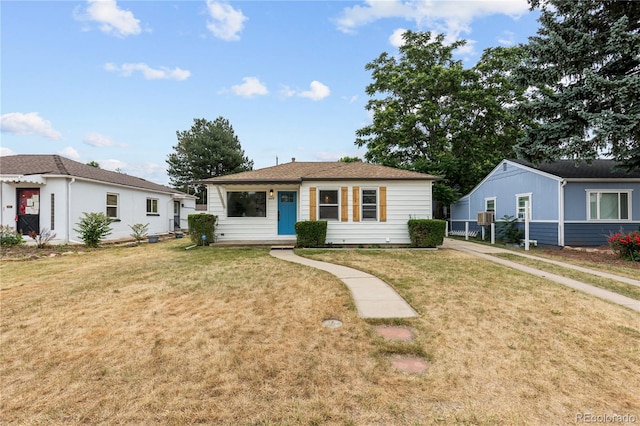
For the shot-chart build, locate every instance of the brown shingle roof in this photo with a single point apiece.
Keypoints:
(24, 164)
(296, 172)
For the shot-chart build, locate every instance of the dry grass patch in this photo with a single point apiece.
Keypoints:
(508, 347)
(156, 334)
(628, 290)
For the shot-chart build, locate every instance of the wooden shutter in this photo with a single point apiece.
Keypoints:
(312, 203)
(383, 204)
(356, 204)
(344, 204)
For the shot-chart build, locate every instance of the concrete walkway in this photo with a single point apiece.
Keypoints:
(373, 297)
(486, 252)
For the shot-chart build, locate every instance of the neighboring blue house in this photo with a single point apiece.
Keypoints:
(571, 204)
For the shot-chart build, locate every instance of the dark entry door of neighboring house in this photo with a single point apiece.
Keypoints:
(176, 215)
(287, 213)
(28, 210)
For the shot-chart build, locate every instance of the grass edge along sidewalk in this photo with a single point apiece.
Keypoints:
(488, 252)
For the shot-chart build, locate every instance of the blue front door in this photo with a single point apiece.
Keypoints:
(287, 213)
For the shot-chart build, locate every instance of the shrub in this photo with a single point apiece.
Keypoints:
(93, 227)
(9, 236)
(139, 231)
(627, 246)
(42, 239)
(202, 224)
(507, 230)
(311, 233)
(426, 232)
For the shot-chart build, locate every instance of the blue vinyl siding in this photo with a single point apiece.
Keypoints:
(575, 198)
(504, 185)
(593, 234)
(546, 234)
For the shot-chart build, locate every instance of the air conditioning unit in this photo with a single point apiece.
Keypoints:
(485, 218)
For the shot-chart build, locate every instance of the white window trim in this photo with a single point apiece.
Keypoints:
(495, 204)
(608, 191)
(256, 191)
(151, 212)
(338, 197)
(117, 205)
(518, 196)
(362, 204)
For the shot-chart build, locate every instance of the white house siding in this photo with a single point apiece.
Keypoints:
(405, 200)
(248, 228)
(90, 197)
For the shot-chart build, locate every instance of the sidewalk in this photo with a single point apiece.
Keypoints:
(373, 297)
(485, 251)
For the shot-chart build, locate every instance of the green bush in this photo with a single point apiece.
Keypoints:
(426, 232)
(9, 236)
(93, 227)
(507, 230)
(311, 233)
(202, 224)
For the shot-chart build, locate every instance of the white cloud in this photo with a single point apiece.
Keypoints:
(467, 49)
(395, 39)
(6, 151)
(112, 165)
(28, 124)
(112, 20)
(162, 73)
(226, 22)
(507, 38)
(100, 141)
(251, 87)
(450, 17)
(318, 91)
(70, 152)
(286, 91)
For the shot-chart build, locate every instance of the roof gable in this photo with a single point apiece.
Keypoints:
(56, 165)
(296, 172)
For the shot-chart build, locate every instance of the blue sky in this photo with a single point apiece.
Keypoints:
(112, 81)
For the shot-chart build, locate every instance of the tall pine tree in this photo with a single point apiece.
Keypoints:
(583, 70)
(208, 149)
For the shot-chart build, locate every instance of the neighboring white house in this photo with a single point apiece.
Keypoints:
(51, 192)
(363, 203)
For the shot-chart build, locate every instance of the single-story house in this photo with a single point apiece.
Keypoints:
(571, 204)
(51, 192)
(363, 203)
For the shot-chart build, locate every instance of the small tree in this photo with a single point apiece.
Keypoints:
(93, 227)
(139, 231)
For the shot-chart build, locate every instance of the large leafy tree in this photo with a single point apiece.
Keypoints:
(430, 114)
(583, 67)
(207, 149)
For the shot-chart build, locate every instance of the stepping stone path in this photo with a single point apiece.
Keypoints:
(404, 363)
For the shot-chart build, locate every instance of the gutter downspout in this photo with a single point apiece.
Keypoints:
(563, 183)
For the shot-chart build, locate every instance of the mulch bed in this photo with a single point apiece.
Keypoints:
(596, 255)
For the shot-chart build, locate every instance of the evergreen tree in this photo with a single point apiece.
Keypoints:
(583, 69)
(208, 149)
